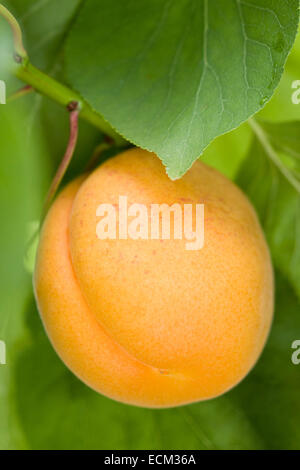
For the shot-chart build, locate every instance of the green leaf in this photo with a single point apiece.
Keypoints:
(171, 76)
(285, 136)
(275, 192)
(281, 107)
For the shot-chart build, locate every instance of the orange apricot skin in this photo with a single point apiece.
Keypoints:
(147, 322)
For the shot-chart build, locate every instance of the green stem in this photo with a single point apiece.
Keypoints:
(63, 95)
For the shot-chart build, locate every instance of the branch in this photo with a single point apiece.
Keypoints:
(63, 95)
(50, 87)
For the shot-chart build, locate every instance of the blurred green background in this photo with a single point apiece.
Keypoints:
(42, 405)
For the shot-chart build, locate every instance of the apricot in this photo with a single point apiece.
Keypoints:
(146, 321)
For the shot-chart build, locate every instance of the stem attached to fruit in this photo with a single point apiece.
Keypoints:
(50, 87)
(63, 95)
(74, 113)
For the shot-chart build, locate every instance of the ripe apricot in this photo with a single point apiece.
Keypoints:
(148, 322)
